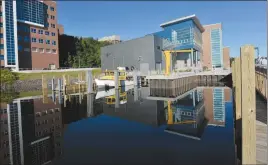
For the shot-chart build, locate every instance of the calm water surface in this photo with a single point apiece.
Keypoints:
(139, 128)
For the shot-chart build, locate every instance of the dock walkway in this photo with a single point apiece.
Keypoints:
(261, 130)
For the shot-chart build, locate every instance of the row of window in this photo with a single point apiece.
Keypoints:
(41, 41)
(40, 31)
(38, 123)
(45, 131)
(41, 50)
(43, 113)
(33, 30)
(51, 17)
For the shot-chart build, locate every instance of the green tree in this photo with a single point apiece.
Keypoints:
(7, 77)
(87, 53)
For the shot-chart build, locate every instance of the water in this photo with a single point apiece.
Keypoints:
(194, 128)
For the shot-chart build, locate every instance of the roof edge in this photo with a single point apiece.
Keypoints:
(193, 17)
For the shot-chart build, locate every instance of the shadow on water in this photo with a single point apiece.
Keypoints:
(125, 126)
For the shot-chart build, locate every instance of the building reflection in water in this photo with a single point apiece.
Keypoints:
(31, 132)
(32, 129)
(186, 115)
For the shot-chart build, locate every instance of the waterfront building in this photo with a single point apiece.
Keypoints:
(29, 34)
(214, 54)
(146, 53)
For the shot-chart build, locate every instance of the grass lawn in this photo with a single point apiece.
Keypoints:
(32, 76)
(32, 93)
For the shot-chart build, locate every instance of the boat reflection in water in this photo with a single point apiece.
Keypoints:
(32, 128)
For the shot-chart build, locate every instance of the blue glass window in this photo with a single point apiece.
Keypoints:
(53, 42)
(53, 34)
(1, 14)
(26, 39)
(33, 39)
(52, 8)
(32, 11)
(1, 35)
(26, 29)
(19, 47)
(10, 33)
(40, 31)
(1, 24)
(1, 57)
(47, 33)
(47, 41)
(33, 30)
(41, 41)
(1, 46)
(19, 38)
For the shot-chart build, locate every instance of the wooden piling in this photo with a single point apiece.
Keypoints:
(248, 105)
(238, 83)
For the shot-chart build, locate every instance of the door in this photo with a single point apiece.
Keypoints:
(144, 68)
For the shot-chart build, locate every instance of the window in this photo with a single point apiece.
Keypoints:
(27, 49)
(1, 46)
(47, 41)
(19, 38)
(19, 47)
(1, 35)
(41, 50)
(47, 33)
(41, 41)
(53, 42)
(26, 29)
(52, 8)
(1, 13)
(53, 34)
(52, 17)
(1, 24)
(33, 30)
(40, 31)
(34, 49)
(48, 51)
(26, 39)
(54, 51)
(33, 39)
(53, 25)
(158, 47)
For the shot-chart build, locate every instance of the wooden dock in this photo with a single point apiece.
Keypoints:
(261, 143)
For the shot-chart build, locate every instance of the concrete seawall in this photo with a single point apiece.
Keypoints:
(28, 85)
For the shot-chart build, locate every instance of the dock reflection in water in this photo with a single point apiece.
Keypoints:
(129, 126)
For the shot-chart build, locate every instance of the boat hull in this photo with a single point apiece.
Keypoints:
(110, 83)
(110, 92)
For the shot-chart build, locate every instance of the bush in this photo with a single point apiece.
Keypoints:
(205, 68)
(7, 97)
(7, 77)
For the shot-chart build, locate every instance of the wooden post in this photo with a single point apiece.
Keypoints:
(89, 81)
(237, 84)
(44, 82)
(116, 79)
(248, 105)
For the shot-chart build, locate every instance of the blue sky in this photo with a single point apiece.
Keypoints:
(243, 22)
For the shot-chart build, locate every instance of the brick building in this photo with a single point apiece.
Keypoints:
(30, 34)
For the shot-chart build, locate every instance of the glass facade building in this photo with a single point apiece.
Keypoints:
(185, 34)
(10, 32)
(32, 11)
(218, 104)
(216, 48)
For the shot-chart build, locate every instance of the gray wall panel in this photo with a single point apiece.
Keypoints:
(127, 53)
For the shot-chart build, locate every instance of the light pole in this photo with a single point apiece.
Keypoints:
(139, 59)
